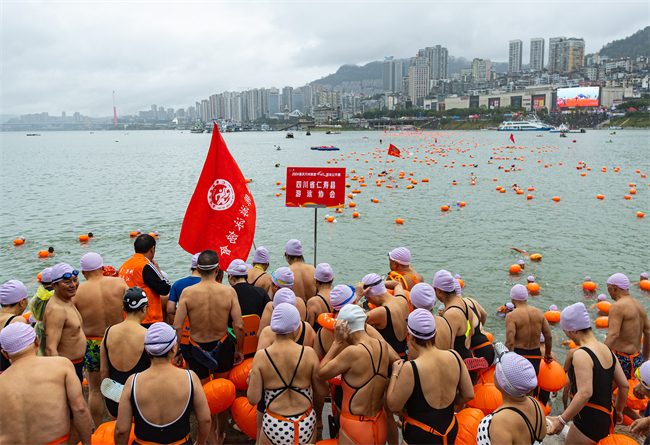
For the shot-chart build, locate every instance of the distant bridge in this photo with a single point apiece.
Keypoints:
(385, 124)
(298, 126)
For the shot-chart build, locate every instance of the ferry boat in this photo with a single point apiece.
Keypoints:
(530, 124)
(564, 129)
(324, 148)
(611, 127)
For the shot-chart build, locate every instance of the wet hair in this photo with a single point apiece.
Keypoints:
(425, 343)
(584, 331)
(291, 257)
(207, 258)
(325, 282)
(130, 310)
(51, 249)
(9, 305)
(144, 243)
(90, 234)
(165, 355)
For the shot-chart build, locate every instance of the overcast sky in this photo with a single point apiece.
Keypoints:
(70, 56)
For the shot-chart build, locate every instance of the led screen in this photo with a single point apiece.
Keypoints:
(578, 97)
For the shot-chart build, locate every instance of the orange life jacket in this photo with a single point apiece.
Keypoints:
(131, 272)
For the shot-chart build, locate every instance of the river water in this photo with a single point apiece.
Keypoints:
(63, 184)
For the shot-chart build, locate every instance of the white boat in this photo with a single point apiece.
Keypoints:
(611, 127)
(564, 129)
(530, 124)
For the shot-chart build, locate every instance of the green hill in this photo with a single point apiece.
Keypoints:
(352, 73)
(638, 44)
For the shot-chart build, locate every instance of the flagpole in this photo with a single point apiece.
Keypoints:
(315, 232)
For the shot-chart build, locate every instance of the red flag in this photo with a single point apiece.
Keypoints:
(512, 138)
(221, 214)
(393, 151)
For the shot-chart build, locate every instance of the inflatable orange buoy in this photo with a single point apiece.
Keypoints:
(220, 394)
(43, 253)
(600, 196)
(352, 204)
(468, 420)
(133, 234)
(245, 416)
(461, 282)
(556, 198)
(487, 398)
(489, 336)
(152, 234)
(617, 439)
(573, 345)
(355, 215)
(529, 196)
(327, 442)
(640, 214)
(444, 208)
(38, 277)
(645, 285)
(18, 241)
(603, 306)
(239, 374)
(589, 285)
(330, 219)
(515, 268)
(83, 237)
(399, 221)
(26, 316)
(551, 376)
(104, 434)
(327, 321)
(552, 316)
(533, 287)
(632, 401)
(602, 322)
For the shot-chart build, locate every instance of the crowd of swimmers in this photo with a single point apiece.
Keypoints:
(147, 349)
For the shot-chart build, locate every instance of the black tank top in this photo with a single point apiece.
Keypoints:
(172, 432)
(478, 338)
(602, 393)
(122, 376)
(459, 340)
(534, 431)
(389, 335)
(419, 409)
(258, 277)
(4, 362)
(317, 326)
(301, 339)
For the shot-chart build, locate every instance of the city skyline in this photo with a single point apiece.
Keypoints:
(62, 57)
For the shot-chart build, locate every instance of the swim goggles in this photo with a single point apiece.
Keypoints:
(366, 286)
(421, 335)
(637, 374)
(276, 281)
(66, 276)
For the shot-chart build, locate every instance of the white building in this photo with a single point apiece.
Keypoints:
(537, 54)
(418, 80)
(514, 56)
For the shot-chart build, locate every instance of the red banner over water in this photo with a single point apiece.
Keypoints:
(221, 214)
(311, 186)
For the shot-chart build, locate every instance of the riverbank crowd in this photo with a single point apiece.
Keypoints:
(270, 349)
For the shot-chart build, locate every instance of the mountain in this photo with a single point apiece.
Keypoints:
(352, 73)
(638, 44)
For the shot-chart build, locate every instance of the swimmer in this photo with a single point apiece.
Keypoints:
(208, 306)
(480, 346)
(60, 403)
(524, 327)
(531, 279)
(90, 235)
(363, 364)
(175, 295)
(601, 297)
(519, 419)
(323, 276)
(460, 320)
(281, 278)
(591, 408)
(99, 300)
(423, 296)
(441, 310)
(521, 264)
(306, 334)
(303, 284)
(13, 297)
(50, 251)
(506, 309)
(284, 374)
(127, 352)
(643, 277)
(628, 323)
(257, 276)
(37, 306)
(641, 390)
(399, 261)
(523, 252)
(162, 416)
(428, 404)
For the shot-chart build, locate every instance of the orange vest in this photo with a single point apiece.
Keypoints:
(131, 272)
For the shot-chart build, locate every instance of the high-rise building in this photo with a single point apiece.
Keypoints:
(565, 55)
(514, 56)
(298, 100)
(306, 98)
(392, 73)
(170, 113)
(438, 61)
(274, 102)
(418, 80)
(554, 54)
(481, 70)
(205, 110)
(536, 54)
(287, 99)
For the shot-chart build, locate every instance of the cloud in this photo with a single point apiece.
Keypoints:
(70, 56)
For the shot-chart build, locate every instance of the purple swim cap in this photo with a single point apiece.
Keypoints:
(444, 281)
(284, 295)
(374, 289)
(421, 324)
(575, 318)
(519, 292)
(423, 296)
(602, 297)
(285, 319)
(515, 375)
(620, 280)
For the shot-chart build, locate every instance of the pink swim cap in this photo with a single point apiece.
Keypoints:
(531, 279)
(16, 337)
(342, 295)
(401, 255)
(294, 248)
(444, 281)
(519, 292)
(59, 270)
(285, 319)
(515, 375)
(12, 292)
(282, 277)
(284, 295)
(159, 339)
(421, 324)
(195, 259)
(552, 308)
(644, 373)
(645, 275)
(510, 306)
(324, 273)
(376, 285)
(620, 280)
(46, 275)
(575, 318)
(91, 261)
(261, 256)
(521, 262)
(423, 296)
(602, 297)
(238, 268)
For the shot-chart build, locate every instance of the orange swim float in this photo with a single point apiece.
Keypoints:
(43, 253)
(617, 439)
(18, 241)
(603, 306)
(220, 394)
(133, 234)
(552, 316)
(399, 221)
(487, 398)
(83, 237)
(444, 208)
(239, 374)
(468, 420)
(645, 285)
(533, 287)
(245, 416)
(327, 321)
(589, 286)
(536, 257)
(602, 322)
(515, 269)
(551, 376)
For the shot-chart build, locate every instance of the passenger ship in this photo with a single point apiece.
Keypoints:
(530, 124)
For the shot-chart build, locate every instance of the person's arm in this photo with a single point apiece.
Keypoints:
(640, 427)
(339, 358)
(465, 385)
(511, 331)
(400, 385)
(266, 317)
(53, 329)
(584, 374)
(321, 387)
(181, 314)
(499, 433)
(615, 321)
(523, 252)
(548, 340)
(237, 327)
(377, 317)
(311, 311)
(646, 336)
(620, 381)
(171, 305)
(82, 420)
(201, 410)
(103, 360)
(255, 381)
(124, 415)
(155, 280)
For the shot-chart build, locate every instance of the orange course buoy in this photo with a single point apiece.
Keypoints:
(245, 416)
(399, 221)
(640, 214)
(515, 269)
(533, 287)
(83, 237)
(551, 376)
(600, 196)
(239, 374)
(220, 394)
(602, 322)
(444, 208)
(330, 219)
(589, 286)
(468, 420)
(645, 285)
(19, 241)
(556, 198)
(43, 253)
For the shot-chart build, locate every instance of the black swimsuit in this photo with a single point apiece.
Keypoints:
(480, 346)
(375, 373)
(389, 335)
(317, 326)
(483, 433)
(438, 420)
(459, 340)
(258, 277)
(4, 362)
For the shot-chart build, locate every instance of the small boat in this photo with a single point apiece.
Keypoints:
(324, 148)
(33, 134)
(308, 133)
(562, 135)
(615, 127)
(289, 136)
